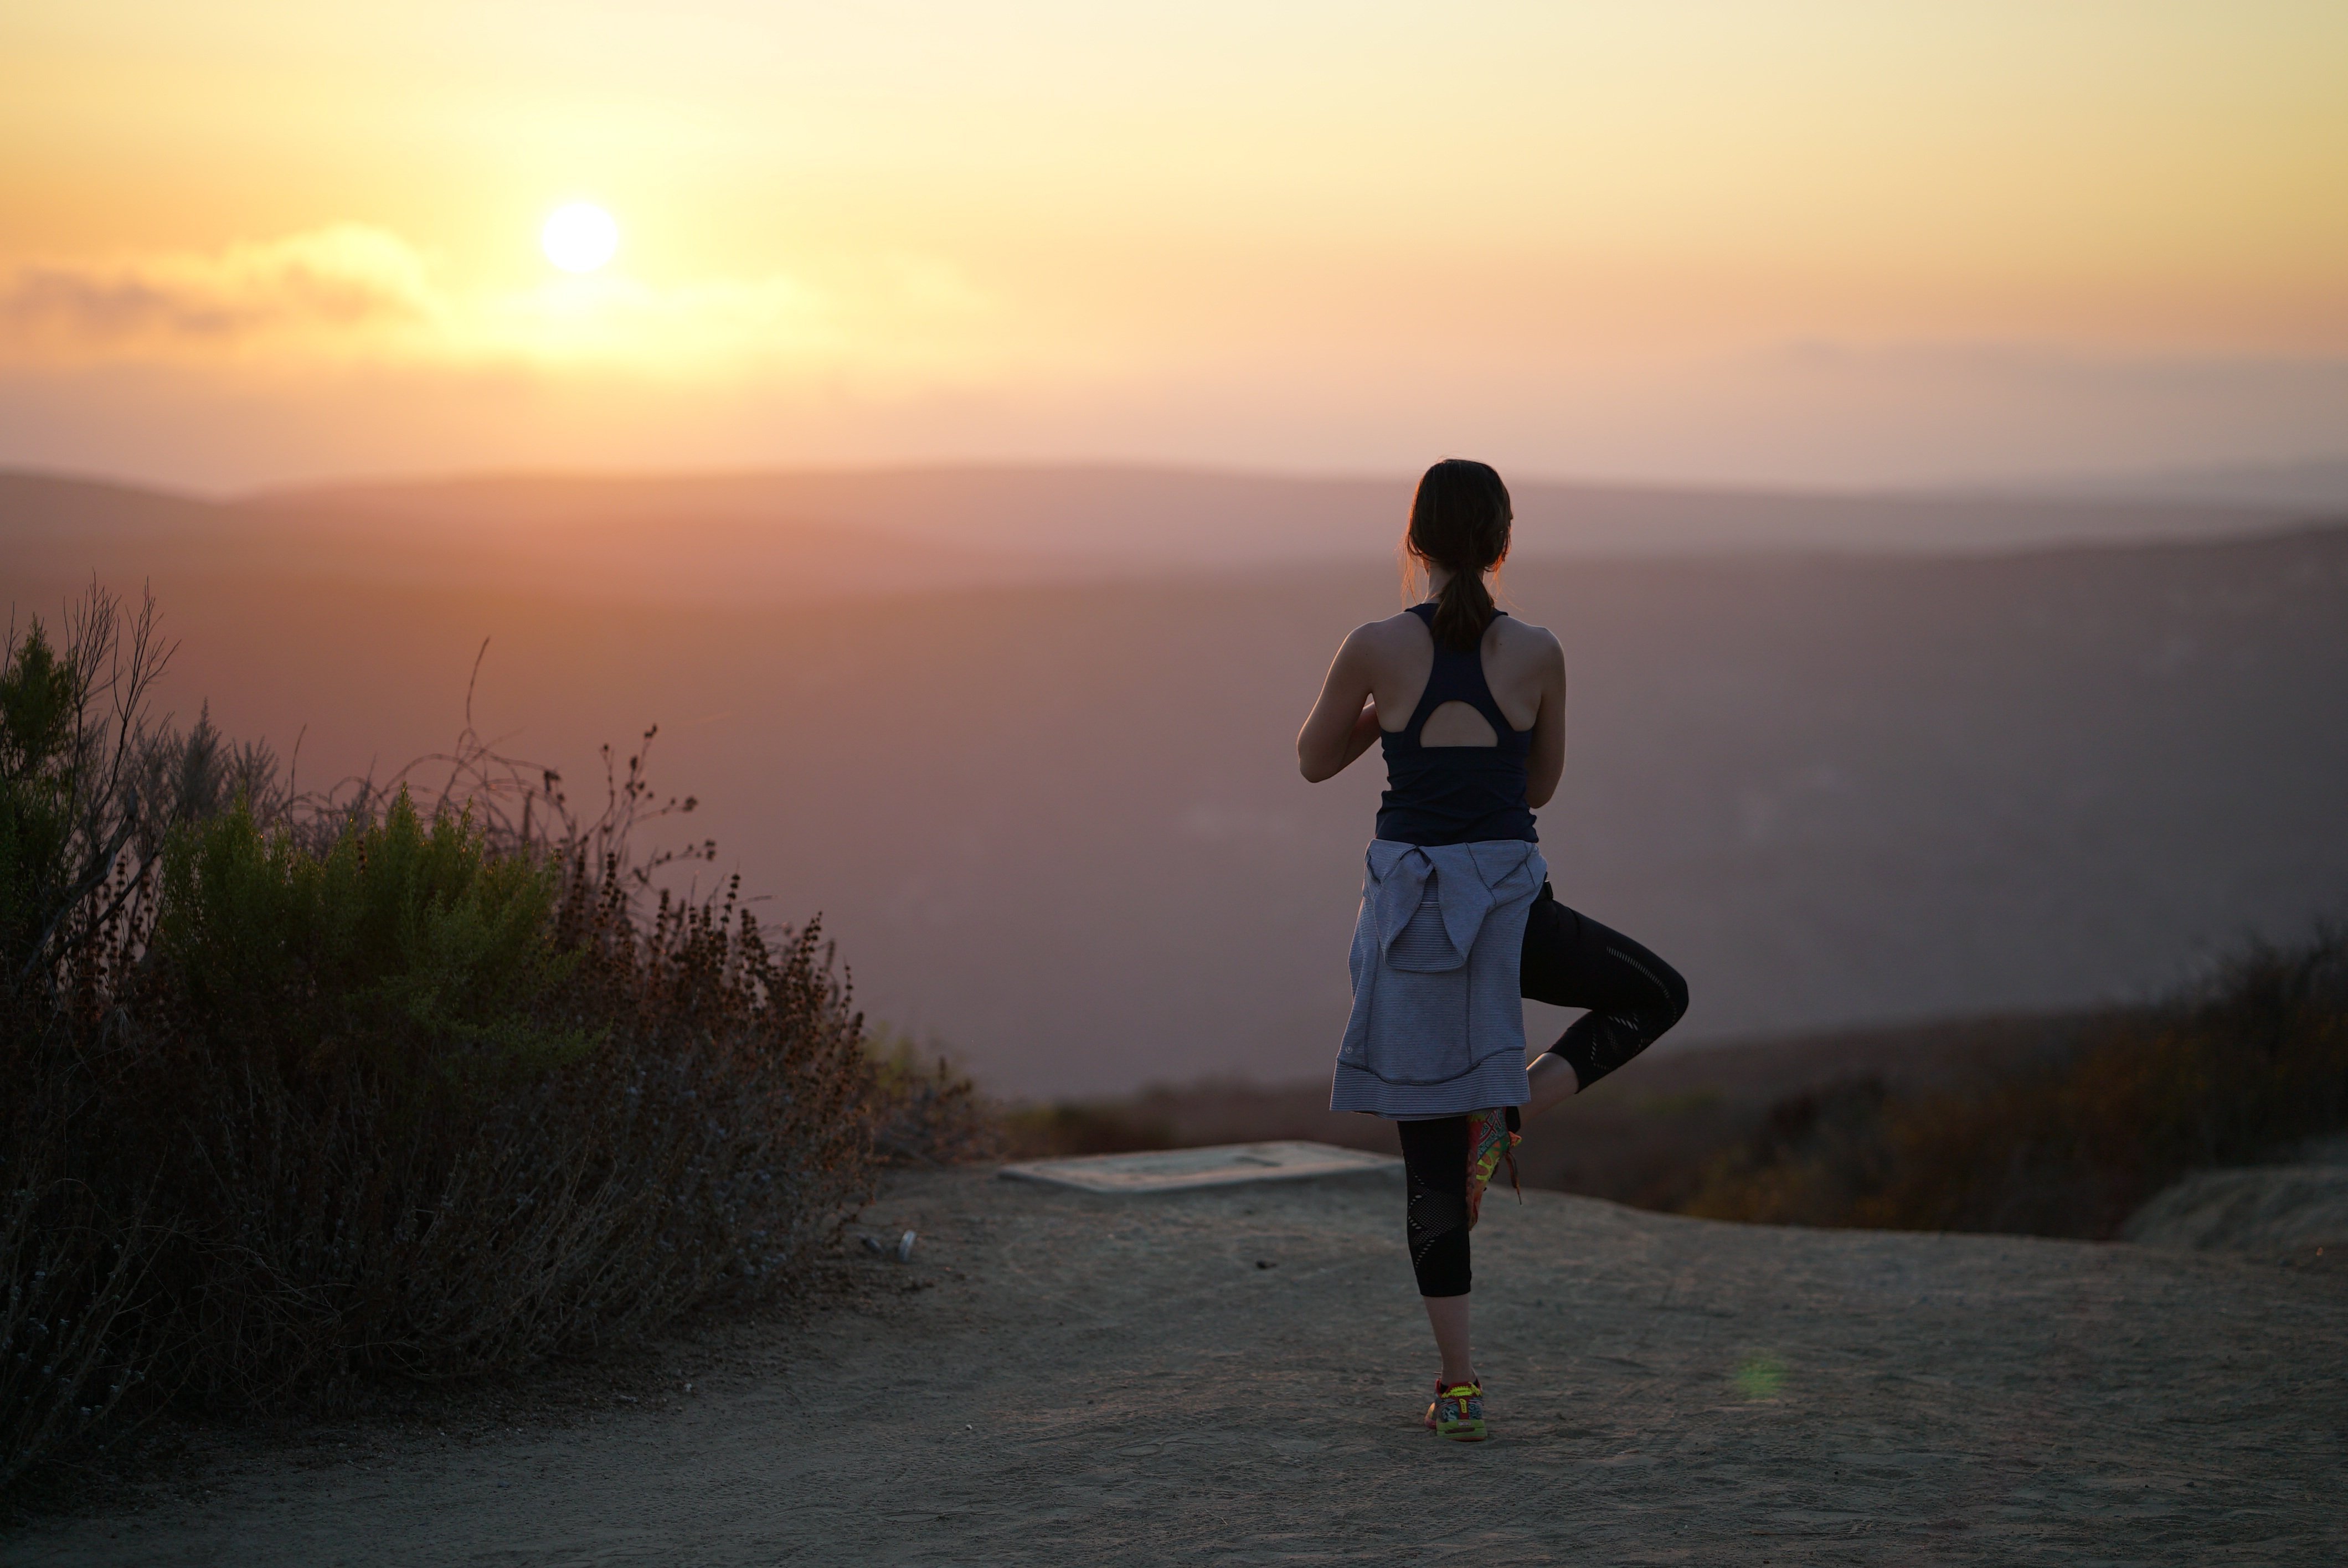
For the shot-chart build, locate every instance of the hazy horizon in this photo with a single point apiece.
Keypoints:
(2312, 482)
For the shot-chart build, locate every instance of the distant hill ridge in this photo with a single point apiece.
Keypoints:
(1175, 517)
(747, 535)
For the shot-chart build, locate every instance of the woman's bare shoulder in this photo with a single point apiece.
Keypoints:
(1522, 636)
(1397, 631)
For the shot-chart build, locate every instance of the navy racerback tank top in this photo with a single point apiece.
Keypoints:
(1454, 794)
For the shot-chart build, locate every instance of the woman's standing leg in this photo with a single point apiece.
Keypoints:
(1572, 960)
(1435, 1171)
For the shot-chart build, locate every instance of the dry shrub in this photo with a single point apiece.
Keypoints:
(1079, 1127)
(72, 1267)
(1816, 1154)
(76, 1250)
(925, 1110)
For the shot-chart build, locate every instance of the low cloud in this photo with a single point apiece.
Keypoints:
(351, 293)
(343, 282)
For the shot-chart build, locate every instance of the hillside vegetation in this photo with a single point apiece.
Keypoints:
(2072, 1142)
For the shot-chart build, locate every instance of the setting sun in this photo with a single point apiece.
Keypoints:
(579, 237)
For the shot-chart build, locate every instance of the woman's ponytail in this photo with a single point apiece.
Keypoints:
(1462, 611)
(1460, 521)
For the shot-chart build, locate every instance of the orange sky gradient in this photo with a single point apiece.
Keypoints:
(1832, 245)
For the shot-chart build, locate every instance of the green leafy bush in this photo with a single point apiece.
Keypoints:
(407, 947)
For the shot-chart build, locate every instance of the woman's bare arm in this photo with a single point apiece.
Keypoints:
(1345, 722)
(1545, 765)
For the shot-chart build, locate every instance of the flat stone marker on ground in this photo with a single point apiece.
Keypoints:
(1179, 1170)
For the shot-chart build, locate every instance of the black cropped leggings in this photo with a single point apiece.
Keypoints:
(1570, 960)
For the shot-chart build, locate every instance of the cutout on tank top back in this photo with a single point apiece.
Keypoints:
(1457, 723)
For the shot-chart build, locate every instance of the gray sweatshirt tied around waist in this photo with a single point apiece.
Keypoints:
(1437, 1028)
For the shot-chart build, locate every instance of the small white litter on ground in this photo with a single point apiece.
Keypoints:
(1179, 1170)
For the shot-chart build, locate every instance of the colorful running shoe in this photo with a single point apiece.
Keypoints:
(1488, 1142)
(1457, 1412)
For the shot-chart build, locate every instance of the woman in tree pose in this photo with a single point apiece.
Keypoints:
(1457, 919)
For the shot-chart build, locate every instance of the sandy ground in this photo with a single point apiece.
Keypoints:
(1237, 1377)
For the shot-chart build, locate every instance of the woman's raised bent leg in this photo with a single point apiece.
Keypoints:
(1571, 960)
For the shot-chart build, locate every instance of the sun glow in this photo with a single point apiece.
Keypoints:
(579, 237)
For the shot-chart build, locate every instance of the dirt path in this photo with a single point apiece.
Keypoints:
(1090, 1380)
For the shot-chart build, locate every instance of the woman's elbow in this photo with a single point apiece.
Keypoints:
(1317, 762)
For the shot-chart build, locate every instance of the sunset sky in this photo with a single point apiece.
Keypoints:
(1834, 243)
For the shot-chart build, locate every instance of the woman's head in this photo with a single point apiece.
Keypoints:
(1460, 521)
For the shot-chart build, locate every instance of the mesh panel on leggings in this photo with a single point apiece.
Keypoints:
(1438, 1228)
(1603, 1043)
(1607, 1036)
